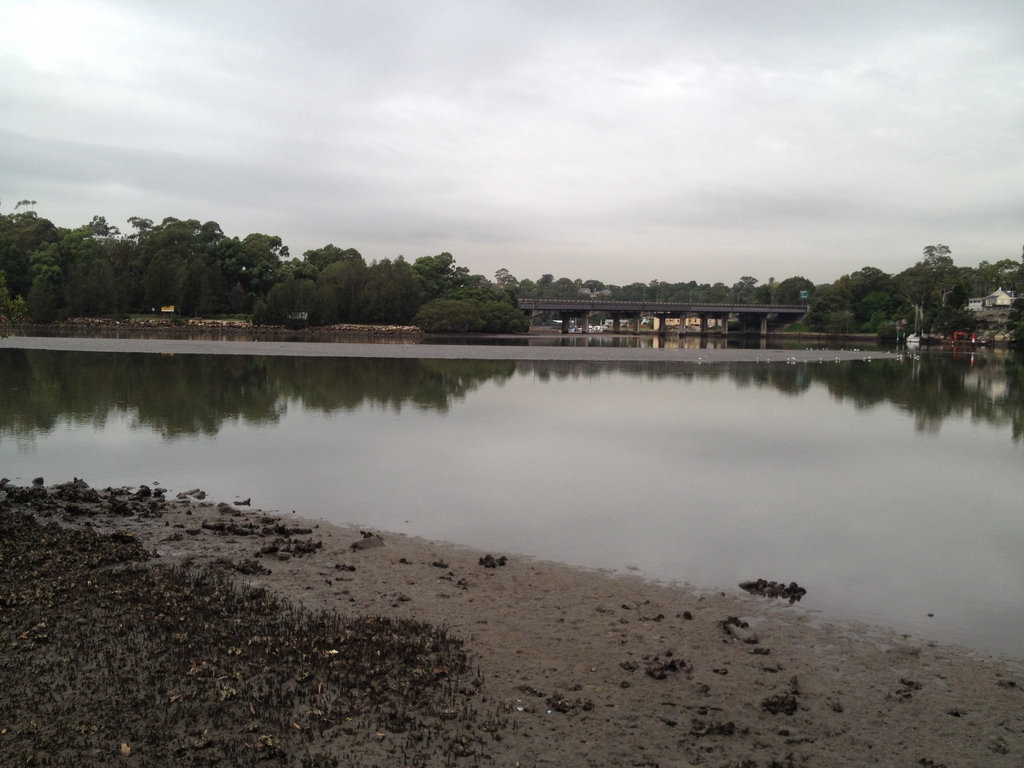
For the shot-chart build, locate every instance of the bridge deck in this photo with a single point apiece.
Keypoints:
(657, 307)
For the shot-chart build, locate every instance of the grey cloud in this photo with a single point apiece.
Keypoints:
(620, 141)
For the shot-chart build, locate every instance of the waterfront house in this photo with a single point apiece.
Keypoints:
(999, 300)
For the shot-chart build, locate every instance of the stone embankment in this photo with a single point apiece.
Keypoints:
(235, 328)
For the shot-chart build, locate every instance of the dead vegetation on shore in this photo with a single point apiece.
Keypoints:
(106, 656)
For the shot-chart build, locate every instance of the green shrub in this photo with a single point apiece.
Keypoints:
(470, 315)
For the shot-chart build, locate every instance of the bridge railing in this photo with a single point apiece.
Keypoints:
(596, 305)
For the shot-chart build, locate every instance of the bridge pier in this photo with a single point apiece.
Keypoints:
(747, 322)
(567, 317)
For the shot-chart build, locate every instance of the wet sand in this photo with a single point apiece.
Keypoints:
(566, 666)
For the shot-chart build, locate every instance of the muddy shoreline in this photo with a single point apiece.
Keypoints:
(411, 350)
(546, 664)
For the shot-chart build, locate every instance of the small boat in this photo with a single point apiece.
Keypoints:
(915, 338)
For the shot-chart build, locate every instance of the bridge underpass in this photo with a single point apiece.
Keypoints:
(761, 316)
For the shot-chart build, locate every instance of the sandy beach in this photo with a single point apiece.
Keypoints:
(563, 666)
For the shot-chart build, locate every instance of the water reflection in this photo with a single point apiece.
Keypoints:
(646, 340)
(885, 487)
(605, 341)
(179, 396)
(196, 395)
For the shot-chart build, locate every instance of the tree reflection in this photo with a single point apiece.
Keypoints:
(986, 388)
(189, 395)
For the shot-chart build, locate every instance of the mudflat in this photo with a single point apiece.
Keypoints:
(141, 627)
(399, 349)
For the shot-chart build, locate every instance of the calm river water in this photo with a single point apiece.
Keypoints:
(890, 489)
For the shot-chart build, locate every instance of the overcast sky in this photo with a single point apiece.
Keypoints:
(617, 141)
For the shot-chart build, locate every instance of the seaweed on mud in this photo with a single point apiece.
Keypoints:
(104, 656)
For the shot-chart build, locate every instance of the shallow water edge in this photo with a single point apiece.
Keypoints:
(436, 351)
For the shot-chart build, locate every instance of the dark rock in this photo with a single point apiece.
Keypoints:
(700, 728)
(232, 528)
(368, 542)
(740, 630)
(659, 669)
(907, 691)
(559, 703)
(792, 592)
(783, 703)
(305, 547)
(248, 567)
(530, 691)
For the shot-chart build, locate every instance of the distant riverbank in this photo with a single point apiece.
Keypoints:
(243, 329)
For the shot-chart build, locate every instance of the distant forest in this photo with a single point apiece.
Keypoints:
(96, 270)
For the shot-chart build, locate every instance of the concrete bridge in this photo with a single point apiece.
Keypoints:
(750, 316)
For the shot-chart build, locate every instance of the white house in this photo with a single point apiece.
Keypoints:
(999, 300)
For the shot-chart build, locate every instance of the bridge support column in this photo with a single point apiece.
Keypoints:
(703, 325)
(764, 325)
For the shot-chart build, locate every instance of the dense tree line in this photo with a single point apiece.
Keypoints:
(54, 272)
(930, 296)
(13, 310)
(97, 271)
